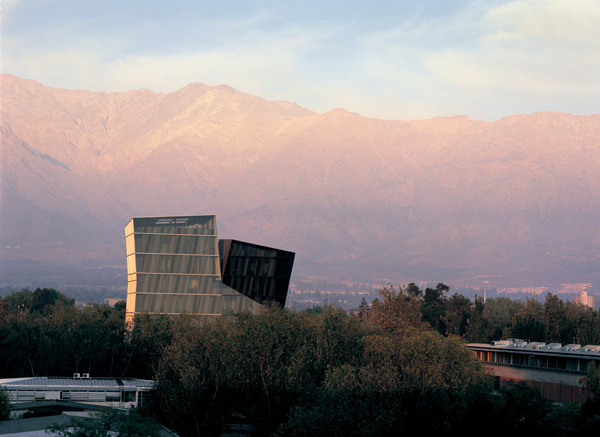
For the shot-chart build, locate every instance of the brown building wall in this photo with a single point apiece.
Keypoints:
(552, 386)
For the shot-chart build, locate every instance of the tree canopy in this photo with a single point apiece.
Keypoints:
(399, 366)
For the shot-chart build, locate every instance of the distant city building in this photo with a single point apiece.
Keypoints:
(584, 299)
(112, 302)
(174, 266)
(552, 368)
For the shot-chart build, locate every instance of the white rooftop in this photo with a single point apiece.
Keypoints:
(87, 382)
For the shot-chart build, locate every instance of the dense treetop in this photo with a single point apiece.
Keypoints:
(398, 365)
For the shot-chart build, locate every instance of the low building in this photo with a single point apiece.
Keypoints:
(79, 392)
(556, 370)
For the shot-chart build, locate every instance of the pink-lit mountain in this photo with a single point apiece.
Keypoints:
(448, 199)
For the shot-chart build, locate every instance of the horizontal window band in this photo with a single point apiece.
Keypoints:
(174, 254)
(216, 275)
(165, 293)
(166, 233)
(177, 314)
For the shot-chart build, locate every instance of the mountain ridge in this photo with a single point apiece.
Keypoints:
(351, 195)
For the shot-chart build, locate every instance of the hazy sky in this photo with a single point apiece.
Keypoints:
(385, 59)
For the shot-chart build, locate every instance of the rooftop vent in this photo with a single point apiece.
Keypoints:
(519, 343)
(502, 343)
(536, 345)
(552, 346)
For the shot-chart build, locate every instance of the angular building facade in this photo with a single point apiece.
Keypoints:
(259, 272)
(174, 266)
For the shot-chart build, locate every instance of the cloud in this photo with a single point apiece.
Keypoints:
(480, 60)
(558, 23)
(522, 56)
(541, 48)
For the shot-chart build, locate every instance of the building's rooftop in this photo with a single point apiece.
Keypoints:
(87, 382)
(517, 345)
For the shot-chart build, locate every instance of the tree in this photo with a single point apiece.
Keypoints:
(4, 404)
(529, 322)
(590, 410)
(19, 300)
(108, 423)
(434, 307)
(478, 325)
(524, 409)
(591, 382)
(589, 328)
(246, 367)
(458, 313)
(149, 338)
(555, 317)
(573, 317)
(189, 374)
(430, 360)
(499, 313)
(396, 312)
(37, 301)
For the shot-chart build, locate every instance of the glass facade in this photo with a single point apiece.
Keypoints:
(534, 362)
(173, 267)
(259, 272)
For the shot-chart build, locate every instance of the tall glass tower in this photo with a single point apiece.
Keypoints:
(173, 267)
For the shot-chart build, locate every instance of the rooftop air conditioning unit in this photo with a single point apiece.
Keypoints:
(76, 376)
(552, 346)
(86, 376)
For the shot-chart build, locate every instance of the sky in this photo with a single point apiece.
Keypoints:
(399, 59)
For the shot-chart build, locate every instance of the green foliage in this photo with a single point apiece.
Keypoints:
(109, 422)
(457, 316)
(524, 408)
(591, 382)
(248, 366)
(400, 366)
(40, 301)
(529, 322)
(434, 307)
(499, 313)
(589, 327)
(4, 404)
(555, 317)
(397, 313)
(478, 326)
(429, 360)
(150, 336)
(42, 333)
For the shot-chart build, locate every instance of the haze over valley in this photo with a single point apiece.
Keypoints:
(511, 203)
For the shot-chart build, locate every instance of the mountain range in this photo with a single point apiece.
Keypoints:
(515, 202)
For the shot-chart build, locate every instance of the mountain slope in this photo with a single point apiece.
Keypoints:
(440, 199)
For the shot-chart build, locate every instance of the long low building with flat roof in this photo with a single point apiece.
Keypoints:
(553, 368)
(80, 392)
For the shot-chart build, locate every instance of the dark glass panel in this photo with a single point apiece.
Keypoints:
(258, 272)
(176, 244)
(191, 264)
